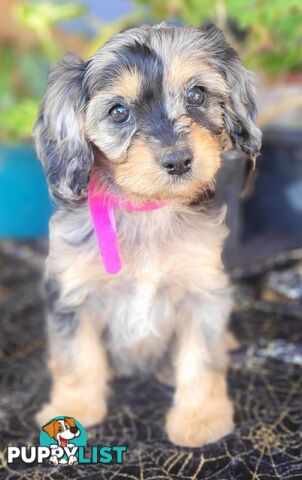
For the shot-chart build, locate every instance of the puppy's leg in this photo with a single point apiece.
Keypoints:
(78, 367)
(202, 412)
(231, 342)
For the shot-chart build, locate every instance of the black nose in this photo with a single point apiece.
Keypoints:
(74, 430)
(177, 162)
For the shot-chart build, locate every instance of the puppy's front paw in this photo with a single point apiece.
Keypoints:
(72, 460)
(87, 415)
(53, 460)
(192, 427)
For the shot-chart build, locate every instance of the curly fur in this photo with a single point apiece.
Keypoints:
(172, 299)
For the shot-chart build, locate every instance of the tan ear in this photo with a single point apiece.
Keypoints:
(70, 421)
(49, 428)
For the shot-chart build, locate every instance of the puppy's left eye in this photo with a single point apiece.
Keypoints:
(195, 96)
(119, 114)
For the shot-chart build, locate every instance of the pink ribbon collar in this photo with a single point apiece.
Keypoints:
(102, 207)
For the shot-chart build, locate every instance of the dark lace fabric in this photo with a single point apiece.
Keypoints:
(265, 383)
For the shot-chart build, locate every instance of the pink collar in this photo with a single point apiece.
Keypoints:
(102, 208)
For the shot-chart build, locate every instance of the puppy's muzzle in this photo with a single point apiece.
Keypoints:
(177, 162)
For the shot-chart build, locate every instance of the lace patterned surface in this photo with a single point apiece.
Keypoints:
(265, 382)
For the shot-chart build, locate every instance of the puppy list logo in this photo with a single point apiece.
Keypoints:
(63, 435)
(62, 442)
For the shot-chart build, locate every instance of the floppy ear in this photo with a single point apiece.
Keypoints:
(70, 421)
(49, 429)
(240, 109)
(61, 145)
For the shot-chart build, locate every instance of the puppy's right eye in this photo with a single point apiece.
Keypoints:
(119, 114)
(195, 96)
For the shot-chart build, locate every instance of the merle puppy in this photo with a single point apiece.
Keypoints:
(140, 126)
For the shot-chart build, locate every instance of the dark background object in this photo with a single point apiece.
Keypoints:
(269, 221)
(231, 179)
(275, 208)
(276, 205)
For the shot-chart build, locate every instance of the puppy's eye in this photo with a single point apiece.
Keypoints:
(195, 96)
(67, 426)
(60, 429)
(119, 114)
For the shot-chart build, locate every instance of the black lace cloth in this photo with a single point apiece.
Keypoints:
(265, 382)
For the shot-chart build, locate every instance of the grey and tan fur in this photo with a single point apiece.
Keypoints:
(172, 298)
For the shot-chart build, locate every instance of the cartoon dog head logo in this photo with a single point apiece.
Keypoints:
(63, 435)
(62, 430)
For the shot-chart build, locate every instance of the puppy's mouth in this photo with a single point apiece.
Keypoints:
(183, 188)
(179, 179)
(206, 194)
(63, 442)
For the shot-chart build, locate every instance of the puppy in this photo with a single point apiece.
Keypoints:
(143, 119)
(62, 431)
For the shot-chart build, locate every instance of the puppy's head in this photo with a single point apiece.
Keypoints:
(149, 109)
(62, 430)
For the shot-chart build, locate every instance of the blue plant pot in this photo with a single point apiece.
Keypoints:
(25, 206)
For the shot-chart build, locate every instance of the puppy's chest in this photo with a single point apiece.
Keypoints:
(144, 235)
(138, 319)
(138, 307)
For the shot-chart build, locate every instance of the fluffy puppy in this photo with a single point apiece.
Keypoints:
(146, 112)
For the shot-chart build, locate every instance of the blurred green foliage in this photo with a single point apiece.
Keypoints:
(267, 34)
(24, 74)
(41, 17)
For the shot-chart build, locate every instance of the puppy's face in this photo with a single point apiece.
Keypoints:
(156, 117)
(62, 430)
(149, 108)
